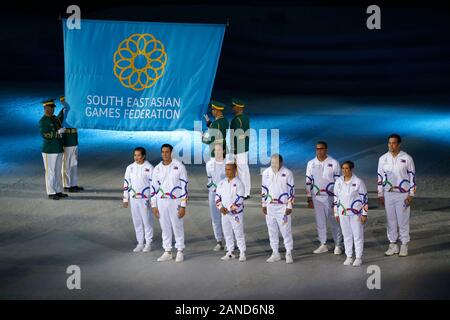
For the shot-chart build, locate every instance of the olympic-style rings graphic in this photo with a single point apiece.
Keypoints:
(140, 61)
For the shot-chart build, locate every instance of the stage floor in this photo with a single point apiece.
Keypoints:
(40, 238)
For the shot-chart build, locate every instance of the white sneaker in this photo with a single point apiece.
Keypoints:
(322, 249)
(228, 256)
(166, 256)
(358, 262)
(274, 257)
(337, 250)
(393, 249)
(289, 258)
(138, 248)
(180, 256)
(147, 248)
(348, 261)
(403, 250)
(242, 257)
(218, 247)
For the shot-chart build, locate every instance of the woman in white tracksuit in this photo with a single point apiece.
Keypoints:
(350, 210)
(136, 193)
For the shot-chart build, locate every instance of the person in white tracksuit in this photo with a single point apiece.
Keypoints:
(396, 189)
(230, 201)
(169, 200)
(215, 170)
(350, 210)
(321, 174)
(278, 194)
(137, 194)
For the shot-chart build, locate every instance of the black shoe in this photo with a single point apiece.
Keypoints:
(62, 195)
(67, 188)
(77, 188)
(53, 196)
(247, 197)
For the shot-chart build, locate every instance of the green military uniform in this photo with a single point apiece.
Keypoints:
(52, 152)
(52, 142)
(70, 136)
(220, 124)
(70, 159)
(240, 140)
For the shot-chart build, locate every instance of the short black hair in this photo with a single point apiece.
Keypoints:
(350, 164)
(322, 143)
(166, 145)
(396, 136)
(233, 164)
(141, 150)
(280, 158)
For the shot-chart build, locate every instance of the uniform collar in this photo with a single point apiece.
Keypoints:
(352, 179)
(231, 181)
(168, 165)
(401, 153)
(325, 160)
(279, 170)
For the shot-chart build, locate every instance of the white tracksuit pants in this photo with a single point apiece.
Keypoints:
(231, 226)
(353, 232)
(397, 216)
(171, 224)
(243, 171)
(70, 167)
(142, 220)
(276, 220)
(323, 208)
(215, 217)
(53, 177)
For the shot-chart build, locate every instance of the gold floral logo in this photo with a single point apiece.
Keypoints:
(139, 62)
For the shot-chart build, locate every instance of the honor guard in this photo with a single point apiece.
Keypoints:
(70, 157)
(52, 150)
(217, 129)
(239, 136)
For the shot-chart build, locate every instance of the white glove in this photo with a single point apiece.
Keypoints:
(61, 130)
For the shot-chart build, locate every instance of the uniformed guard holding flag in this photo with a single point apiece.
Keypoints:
(240, 140)
(217, 129)
(70, 157)
(52, 150)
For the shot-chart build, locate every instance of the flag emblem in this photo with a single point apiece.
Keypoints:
(140, 61)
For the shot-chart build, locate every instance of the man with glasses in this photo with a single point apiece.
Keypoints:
(321, 174)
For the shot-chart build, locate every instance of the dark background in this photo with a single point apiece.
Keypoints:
(303, 47)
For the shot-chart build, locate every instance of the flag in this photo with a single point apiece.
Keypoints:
(133, 76)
